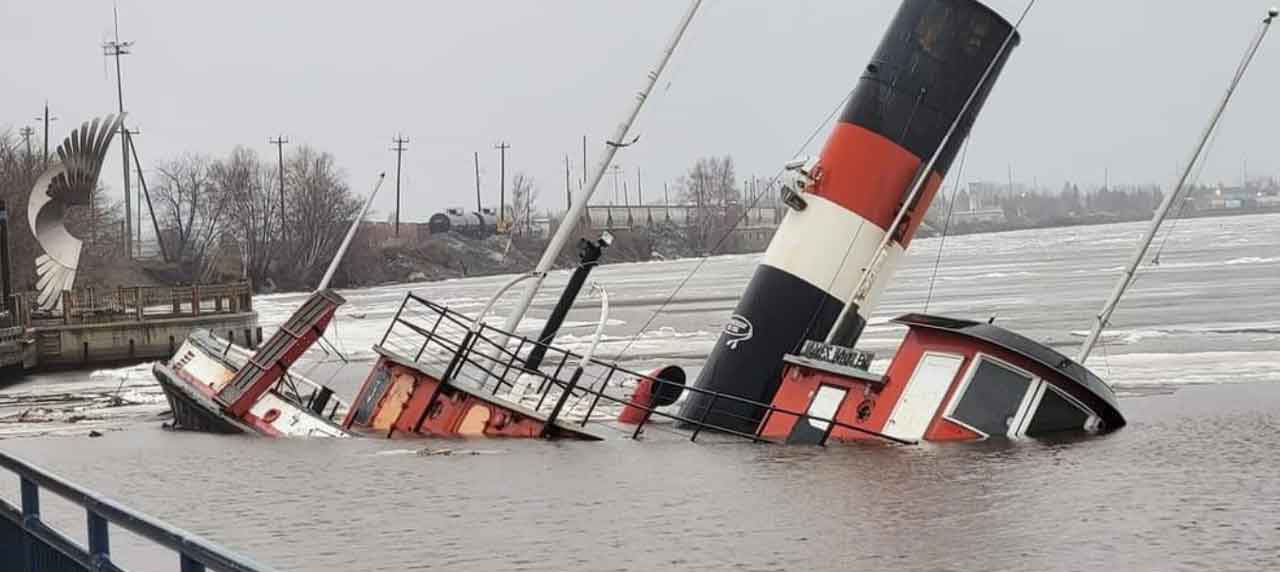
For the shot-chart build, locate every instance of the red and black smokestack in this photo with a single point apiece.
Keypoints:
(930, 62)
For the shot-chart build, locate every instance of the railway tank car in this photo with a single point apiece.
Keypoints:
(472, 224)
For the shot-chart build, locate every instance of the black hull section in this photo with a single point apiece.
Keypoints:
(192, 411)
(774, 316)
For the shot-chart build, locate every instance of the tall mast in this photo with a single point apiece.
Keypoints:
(563, 233)
(1130, 271)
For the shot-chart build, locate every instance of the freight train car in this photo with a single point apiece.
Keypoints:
(473, 224)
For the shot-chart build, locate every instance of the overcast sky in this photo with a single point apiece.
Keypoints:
(1096, 85)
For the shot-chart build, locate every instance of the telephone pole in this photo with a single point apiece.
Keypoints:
(399, 149)
(568, 191)
(279, 142)
(479, 208)
(115, 49)
(26, 133)
(502, 183)
(46, 120)
(615, 171)
(639, 190)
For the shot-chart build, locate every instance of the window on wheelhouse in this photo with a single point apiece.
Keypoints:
(992, 400)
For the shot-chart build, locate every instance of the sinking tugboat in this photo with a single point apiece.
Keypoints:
(216, 387)
(784, 370)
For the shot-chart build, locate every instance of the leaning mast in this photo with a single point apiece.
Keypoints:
(1131, 270)
(561, 238)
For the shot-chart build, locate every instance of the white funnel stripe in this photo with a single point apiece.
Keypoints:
(811, 246)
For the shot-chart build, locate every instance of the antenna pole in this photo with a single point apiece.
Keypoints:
(1130, 272)
(115, 49)
(399, 149)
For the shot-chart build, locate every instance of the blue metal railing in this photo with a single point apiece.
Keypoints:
(30, 545)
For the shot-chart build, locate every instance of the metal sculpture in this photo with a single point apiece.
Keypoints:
(69, 182)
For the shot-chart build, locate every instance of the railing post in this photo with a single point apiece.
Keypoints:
(190, 565)
(702, 421)
(99, 541)
(137, 300)
(67, 301)
(195, 300)
(30, 519)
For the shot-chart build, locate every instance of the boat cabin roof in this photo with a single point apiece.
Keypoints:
(1028, 348)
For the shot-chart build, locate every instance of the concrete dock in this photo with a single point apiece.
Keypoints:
(97, 327)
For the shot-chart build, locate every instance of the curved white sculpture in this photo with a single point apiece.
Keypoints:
(69, 182)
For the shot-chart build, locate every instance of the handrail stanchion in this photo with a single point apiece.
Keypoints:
(604, 384)
(99, 540)
(702, 421)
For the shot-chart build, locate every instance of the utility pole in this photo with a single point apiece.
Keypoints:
(46, 120)
(615, 171)
(568, 192)
(399, 149)
(639, 189)
(502, 184)
(584, 162)
(479, 209)
(666, 200)
(279, 142)
(7, 303)
(26, 133)
(115, 49)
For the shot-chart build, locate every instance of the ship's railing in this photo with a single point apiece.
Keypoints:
(314, 397)
(12, 334)
(29, 544)
(442, 341)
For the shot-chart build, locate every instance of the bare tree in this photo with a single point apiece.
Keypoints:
(255, 209)
(524, 193)
(321, 206)
(193, 210)
(709, 187)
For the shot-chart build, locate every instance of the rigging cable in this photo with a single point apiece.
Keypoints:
(946, 224)
(720, 242)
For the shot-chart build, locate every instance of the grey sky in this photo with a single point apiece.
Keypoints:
(1096, 84)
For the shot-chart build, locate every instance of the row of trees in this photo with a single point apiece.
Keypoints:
(217, 215)
(210, 209)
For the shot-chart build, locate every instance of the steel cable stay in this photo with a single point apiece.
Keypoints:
(946, 224)
(702, 260)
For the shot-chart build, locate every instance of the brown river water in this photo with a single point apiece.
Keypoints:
(1189, 484)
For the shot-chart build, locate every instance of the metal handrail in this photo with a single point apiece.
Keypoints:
(487, 353)
(195, 552)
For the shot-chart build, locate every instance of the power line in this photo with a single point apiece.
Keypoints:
(399, 149)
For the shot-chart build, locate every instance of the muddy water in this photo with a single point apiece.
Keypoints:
(1189, 484)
